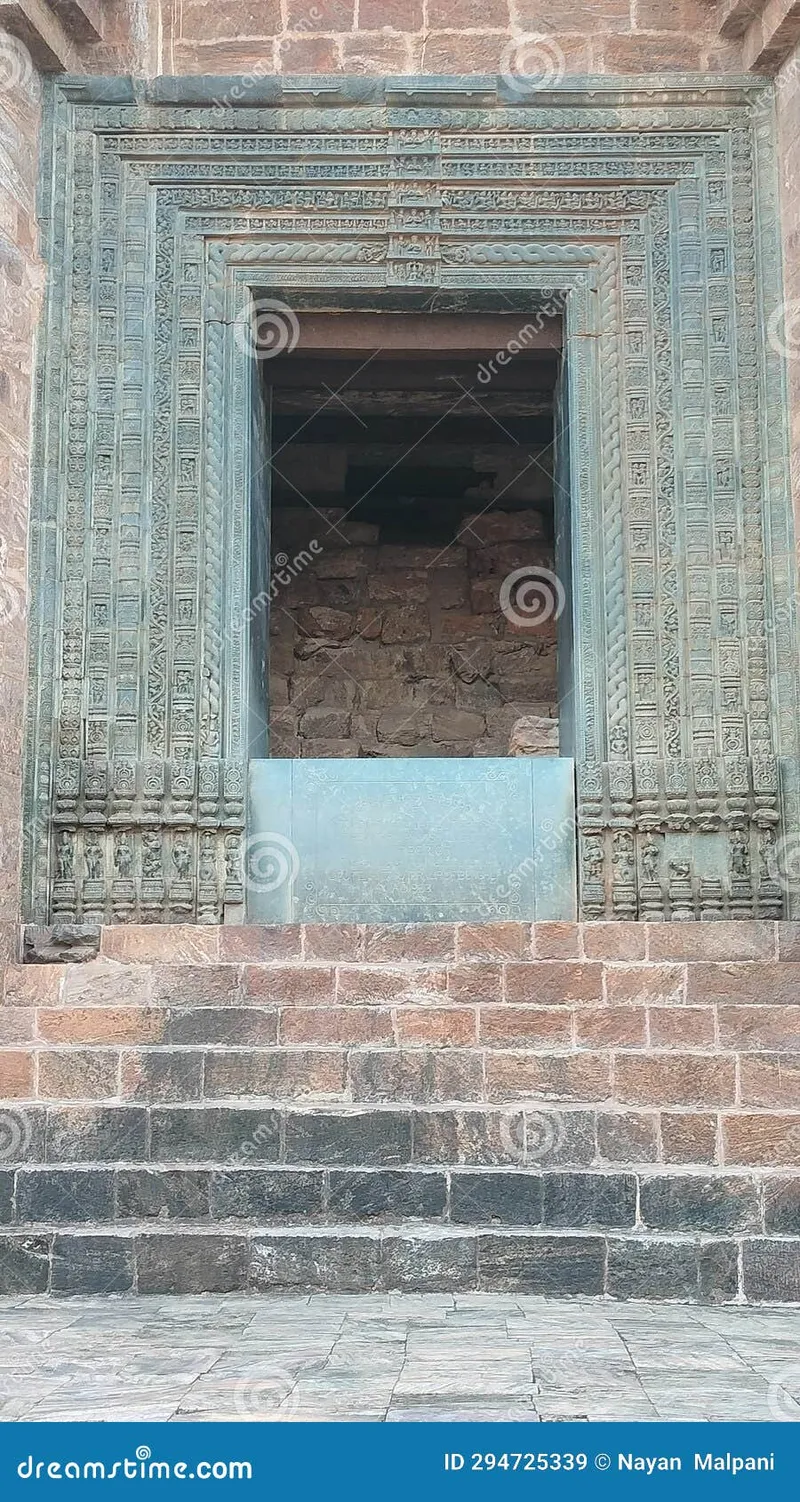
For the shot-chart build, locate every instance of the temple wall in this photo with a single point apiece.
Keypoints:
(20, 289)
(788, 331)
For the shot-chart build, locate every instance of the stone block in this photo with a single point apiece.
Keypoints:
(169, 943)
(717, 1271)
(24, 1264)
(242, 1026)
(182, 1263)
(409, 942)
(488, 1196)
(554, 983)
(682, 1027)
(520, 1027)
(65, 1195)
(688, 1137)
(409, 624)
(770, 1080)
(557, 1266)
(548, 1077)
(80, 1074)
(557, 941)
(416, 1075)
(427, 1264)
(16, 1073)
(265, 1194)
(341, 1262)
(435, 1027)
(782, 1206)
(757, 1027)
(646, 985)
(391, 1194)
(107, 983)
(610, 1027)
(333, 941)
(160, 1074)
(336, 1025)
(275, 1074)
(493, 941)
(214, 1134)
(348, 1137)
(723, 941)
(469, 1136)
(103, 1134)
(475, 982)
(196, 985)
(675, 1080)
(745, 984)
(372, 984)
(6, 1197)
(649, 1269)
(163, 1194)
(114, 1025)
(591, 1200)
(532, 735)
(627, 1137)
(614, 941)
(92, 1264)
(289, 985)
(261, 943)
(771, 1271)
(762, 1139)
(694, 1202)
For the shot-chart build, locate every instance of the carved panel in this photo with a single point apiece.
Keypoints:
(656, 222)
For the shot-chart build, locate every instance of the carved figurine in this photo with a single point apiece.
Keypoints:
(181, 858)
(740, 855)
(93, 859)
(65, 858)
(650, 861)
(232, 860)
(151, 857)
(123, 856)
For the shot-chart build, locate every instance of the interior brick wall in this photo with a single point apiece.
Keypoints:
(391, 650)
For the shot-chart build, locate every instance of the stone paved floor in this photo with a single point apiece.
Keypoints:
(393, 1357)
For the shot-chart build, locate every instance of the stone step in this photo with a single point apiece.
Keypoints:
(346, 1258)
(542, 1134)
(712, 1202)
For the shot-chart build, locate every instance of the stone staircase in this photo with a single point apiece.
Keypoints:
(606, 1109)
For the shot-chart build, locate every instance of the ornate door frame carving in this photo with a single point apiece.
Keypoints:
(652, 206)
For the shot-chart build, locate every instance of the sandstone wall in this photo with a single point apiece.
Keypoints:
(20, 293)
(391, 650)
(442, 36)
(787, 87)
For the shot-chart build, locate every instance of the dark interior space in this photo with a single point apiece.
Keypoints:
(423, 479)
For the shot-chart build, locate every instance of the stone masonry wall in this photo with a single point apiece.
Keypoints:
(392, 650)
(20, 293)
(787, 329)
(442, 36)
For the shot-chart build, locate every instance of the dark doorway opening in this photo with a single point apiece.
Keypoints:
(414, 602)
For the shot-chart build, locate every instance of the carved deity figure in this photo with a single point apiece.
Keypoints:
(123, 857)
(740, 854)
(151, 857)
(93, 859)
(181, 858)
(65, 858)
(650, 861)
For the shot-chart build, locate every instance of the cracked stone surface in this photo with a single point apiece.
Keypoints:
(393, 1358)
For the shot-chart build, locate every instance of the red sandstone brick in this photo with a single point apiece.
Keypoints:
(415, 1074)
(32, 985)
(770, 1080)
(476, 982)
(398, 15)
(674, 1080)
(260, 943)
(173, 943)
(530, 1076)
(102, 1024)
(438, 1027)
(760, 1027)
(107, 983)
(557, 941)
(409, 942)
(289, 985)
(333, 941)
(688, 1137)
(756, 985)
(16, 1074)
(371, 52)
(672, 15)
(229, 19)
(649, 52)
(761, 1139)
(554, 983)
(320, 15)
(514, 1027)
(788, 941)
(534, 16)
(610, 1027)
(466, 15)
(78, 1074)
(466, 52)
(711, 941)
(275, 1073)
(384, 985)
(342, 1025)
(645, 985)
(308, 55)
(493, 941)
(682, 1027)
(197, 985)
(614, 941)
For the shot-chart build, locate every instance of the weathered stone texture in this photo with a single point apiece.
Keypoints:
(786, 325)
(405, 651)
